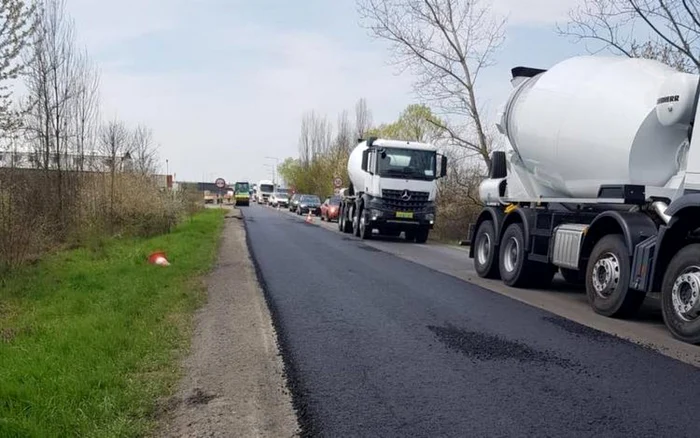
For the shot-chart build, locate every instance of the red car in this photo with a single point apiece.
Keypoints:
(330, 208)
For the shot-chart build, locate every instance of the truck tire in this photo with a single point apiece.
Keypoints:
(573, 276)
(608, 278)
(680, 295)
(422, 235)
(345, 227)
(516, 270)
(355, 222)
(410, 235)
(485, 256)
(340, 219)
(363, 231)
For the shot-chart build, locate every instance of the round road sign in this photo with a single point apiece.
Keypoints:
(220, 183)
(337, 182)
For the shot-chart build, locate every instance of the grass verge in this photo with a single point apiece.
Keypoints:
(90, 338)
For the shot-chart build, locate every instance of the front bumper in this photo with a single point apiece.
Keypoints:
(399, 220)
(282, 203)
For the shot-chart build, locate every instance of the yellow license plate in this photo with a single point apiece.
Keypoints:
(404, 214)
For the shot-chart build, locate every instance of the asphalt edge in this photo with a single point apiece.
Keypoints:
(300, 403)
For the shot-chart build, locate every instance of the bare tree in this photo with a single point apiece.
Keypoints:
(115, 145)
(315, 137)
(305, 138)
(363, 118)
(321, 135)
(671, 29)
(52, 86)
(447, 44)
(86, 108)
(17, 25)
(343, 137)
(144, 154)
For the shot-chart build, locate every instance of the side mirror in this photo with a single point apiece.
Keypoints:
(443, 166)
(365, 159)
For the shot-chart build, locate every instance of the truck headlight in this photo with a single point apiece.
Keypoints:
(430, 217)
(375, 214)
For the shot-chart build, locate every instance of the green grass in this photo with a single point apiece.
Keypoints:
(90, 339)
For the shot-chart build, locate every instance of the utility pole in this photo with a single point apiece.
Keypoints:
(274, 169)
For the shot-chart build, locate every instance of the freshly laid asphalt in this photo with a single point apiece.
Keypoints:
(375, 345)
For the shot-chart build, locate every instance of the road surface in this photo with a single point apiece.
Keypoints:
(376, 345)
(646, 328)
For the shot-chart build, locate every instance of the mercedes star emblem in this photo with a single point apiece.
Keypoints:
(406, 195)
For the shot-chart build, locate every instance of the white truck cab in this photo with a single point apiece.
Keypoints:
(265, 189)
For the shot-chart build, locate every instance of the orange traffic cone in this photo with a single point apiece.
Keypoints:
(158, 258)
(309, 218)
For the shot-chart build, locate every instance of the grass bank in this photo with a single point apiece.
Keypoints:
(90, 338)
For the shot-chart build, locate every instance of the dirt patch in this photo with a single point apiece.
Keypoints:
(234, 383)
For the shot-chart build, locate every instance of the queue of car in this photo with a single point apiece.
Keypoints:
(303, 203)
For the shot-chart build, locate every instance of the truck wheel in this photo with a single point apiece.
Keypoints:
(485, 256)
(516, 270)
(345, 227)
(572, 276)
(608, 278)
(680, 295)
(422, 235)
(356, 221)
(364, 228)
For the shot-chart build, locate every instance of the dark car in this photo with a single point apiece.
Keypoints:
(330, 208)
(309, 204)
(294, 201)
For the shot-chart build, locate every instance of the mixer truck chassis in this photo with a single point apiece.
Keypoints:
(620, 255)
(360, 218)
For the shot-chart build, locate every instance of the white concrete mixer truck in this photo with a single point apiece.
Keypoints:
(600, 180)
(392, 189)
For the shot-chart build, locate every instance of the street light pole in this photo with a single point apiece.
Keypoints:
(274, 169)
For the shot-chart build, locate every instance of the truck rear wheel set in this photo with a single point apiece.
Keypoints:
(618, 266)
(515, 268)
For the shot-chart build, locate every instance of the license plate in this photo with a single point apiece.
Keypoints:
(404, 214)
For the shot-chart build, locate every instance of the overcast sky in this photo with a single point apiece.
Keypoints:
(224, 83)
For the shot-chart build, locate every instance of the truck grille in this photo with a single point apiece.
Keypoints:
(417, 201)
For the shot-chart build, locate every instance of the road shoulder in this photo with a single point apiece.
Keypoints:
(234, 381)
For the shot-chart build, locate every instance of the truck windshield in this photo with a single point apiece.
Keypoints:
(267, 188)
(242, 187)
(406, 163)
